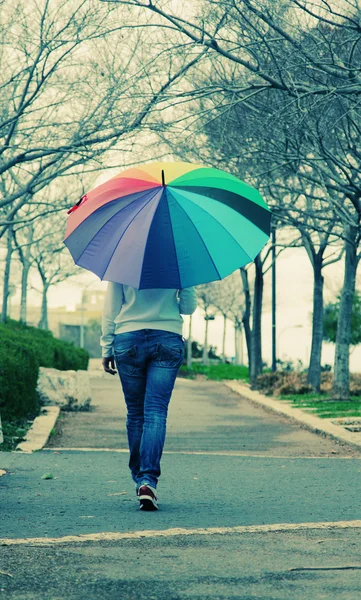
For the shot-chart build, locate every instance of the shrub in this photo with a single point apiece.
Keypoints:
(19, 369)
(23, 350)
(267, 382)
(355, 384)
(51, 351)
(293, 383)
(40, 340)
(283, 382)
(67, 356)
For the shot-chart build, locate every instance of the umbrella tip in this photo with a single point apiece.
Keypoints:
(163, 179)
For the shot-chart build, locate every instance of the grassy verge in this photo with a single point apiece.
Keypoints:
(325, 407)
(318, 404)
(14, 432)
(216, 372)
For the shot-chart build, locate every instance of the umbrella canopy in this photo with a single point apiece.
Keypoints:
(168, 225)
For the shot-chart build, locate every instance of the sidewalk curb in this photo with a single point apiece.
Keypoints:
(315, 424)
(39, 432)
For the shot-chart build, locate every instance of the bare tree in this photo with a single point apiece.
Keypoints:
(261, 37)
(228, 299)
(53, 267)
(223, 293)
(301, 61)
(40, 247)
(76, 83)
(205, 297)
(264, 159)
(6, 281)
(24, 249)
(320, 235)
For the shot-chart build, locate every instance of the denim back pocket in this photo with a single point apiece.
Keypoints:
(170, 355)
(125, 359)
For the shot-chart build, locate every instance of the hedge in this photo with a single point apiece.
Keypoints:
(23, 349)
(19, 369)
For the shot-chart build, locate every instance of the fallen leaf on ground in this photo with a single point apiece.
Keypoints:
(2, 472)
(4, 573)
(47, 476)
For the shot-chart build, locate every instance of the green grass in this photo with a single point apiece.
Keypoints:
(14, 432)
(216, 372)
(323, 406)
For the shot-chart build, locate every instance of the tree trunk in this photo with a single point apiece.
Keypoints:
(6, 283)
(238, 344)
(24, 290)
(341, 380)
(314, 370)
(224, 338)
(205, 347)
(25, 259)
(256, 337)
(247, 315)
(189, 344)
(43, 323)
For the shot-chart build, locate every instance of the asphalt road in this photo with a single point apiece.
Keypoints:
(278, 508)
(249, 566)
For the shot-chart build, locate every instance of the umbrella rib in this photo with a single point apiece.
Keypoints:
(175, 247)
(197, 182)
(127, 227)
(199, 235)
(218, 223)
(263, 211)
(104, 224)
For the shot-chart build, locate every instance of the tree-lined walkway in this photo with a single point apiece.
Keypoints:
(203, 416)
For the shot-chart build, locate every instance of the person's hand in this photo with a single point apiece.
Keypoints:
(106, 367)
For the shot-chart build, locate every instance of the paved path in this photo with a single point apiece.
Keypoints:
(229, 468)
(203, 416)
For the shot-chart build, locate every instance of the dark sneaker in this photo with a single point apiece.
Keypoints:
(147, 498)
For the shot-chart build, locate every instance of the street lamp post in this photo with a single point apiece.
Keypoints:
(274, 350)
(82, 309)
(189, 344)
(207, 318)
(11, 292)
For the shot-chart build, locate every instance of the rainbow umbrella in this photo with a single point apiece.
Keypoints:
(168, 225)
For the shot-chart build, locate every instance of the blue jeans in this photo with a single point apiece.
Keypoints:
(147, 362)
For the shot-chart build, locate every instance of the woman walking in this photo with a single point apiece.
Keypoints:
(142, 335)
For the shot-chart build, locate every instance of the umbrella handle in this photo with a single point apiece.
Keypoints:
(85, 197)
